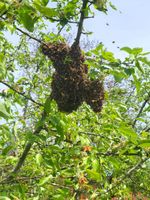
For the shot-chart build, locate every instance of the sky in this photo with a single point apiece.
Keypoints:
(128, 26)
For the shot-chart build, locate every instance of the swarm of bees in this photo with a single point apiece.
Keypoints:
(71, 85)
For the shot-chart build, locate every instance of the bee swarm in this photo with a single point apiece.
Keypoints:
(71, 85)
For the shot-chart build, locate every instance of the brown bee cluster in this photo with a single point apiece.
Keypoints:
(71, 85)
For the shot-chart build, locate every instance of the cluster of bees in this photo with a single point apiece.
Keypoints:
(71, 85)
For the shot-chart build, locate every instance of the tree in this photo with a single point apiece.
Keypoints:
(51, 147)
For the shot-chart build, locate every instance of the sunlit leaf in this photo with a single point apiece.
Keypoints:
(3, 111)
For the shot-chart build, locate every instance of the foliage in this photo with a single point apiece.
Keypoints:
(81, 155)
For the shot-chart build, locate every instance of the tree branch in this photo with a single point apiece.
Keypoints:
(30, 36)
(80, 24)
(128, 173)
(21, 93)
(141, 110)
(27, 148)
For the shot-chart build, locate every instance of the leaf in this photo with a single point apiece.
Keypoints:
(137, 64)
(59, 124)
(100, 5)
(45, 180)
(129, 71)
(7, 149)
(27, 17)
(144, 144)
(144, 60)
(3, 112)
(3, 8)
(137, 82)
(108, 56)
(93, 175)
(47, 12)
(41, 2)
(118, 75)
(112, 6)
(47, 105)
(136, 51)
(38, 158)
(4, 198)
(128, 132)
(126, 49)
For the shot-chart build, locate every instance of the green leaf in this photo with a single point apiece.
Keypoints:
(45, 180)
(93, 175)
(136, 51)
(38, 158)
(128, 132)
(137, 64)
(100, 5)
(3, 111)
(118, 75)
(144, 60)
(47, 12)
(4, 198)
(129, 71)
(59, 124)
(126, 49)
(41, 2)
(144, 143)
(47, 105)
(27, 17)
(3, 8)
(136, 82)
(7, 149)
(108, 56)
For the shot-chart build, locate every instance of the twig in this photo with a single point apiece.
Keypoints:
(21, 93)
(128, 173)
(27, 34)
(117, 154)
(30, 36)
(61, 20)
(80, 25)
(141, 110)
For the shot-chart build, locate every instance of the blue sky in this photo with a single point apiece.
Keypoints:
(130, 28)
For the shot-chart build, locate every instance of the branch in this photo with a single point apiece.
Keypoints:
(27, 34)
(128, 173)
(80, 26)
(117, 154)
(26, 149)
(30, 36)
(61, 20)
(21, 93)
(141, 110)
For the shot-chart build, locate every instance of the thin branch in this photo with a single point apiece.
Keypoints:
(141, 110)
(117, 154)
(30, 36)
(61, 20)
(27, 148)
(128, 173)
(80, 24)
(27, 34)
(21, 93)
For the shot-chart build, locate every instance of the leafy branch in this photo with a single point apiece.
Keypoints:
(21, 93)
(39, 126)
(128, 173)
(141, 109)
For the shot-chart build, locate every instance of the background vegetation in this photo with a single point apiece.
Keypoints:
(48, 154)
